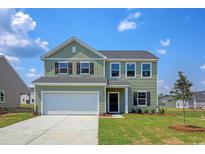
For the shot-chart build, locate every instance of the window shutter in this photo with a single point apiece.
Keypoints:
(56, 68)
(135, 98)
(70, 68)
(78, 68)
(148, 98)
(91, 68)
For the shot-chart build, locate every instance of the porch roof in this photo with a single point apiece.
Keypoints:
(118, 83)
(73, 80)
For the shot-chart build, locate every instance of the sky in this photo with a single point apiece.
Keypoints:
(176, 36)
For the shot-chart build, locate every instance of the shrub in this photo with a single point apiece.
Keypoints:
(134, 110)
(139, 110)
(146, 111)
(161, 111)
(153, 111)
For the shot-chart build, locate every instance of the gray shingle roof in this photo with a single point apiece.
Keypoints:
(70, 80)
(128, 54)
(199, 95)
(118, 82)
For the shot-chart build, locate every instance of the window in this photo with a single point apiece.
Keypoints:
(84, 67)
(146, 70)
(2, 96)
(63, 67)
(115, 70)
(140, 98)
(130, 70)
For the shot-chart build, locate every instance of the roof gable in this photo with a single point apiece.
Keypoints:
(9, 75)
(69, 42)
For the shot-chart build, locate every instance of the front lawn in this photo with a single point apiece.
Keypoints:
(149, 129)
(11, 118)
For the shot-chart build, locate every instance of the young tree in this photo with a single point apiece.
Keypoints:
(182, 90)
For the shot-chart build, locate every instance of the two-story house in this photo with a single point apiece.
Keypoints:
(79, 79)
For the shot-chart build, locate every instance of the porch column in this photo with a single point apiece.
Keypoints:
(126, 100)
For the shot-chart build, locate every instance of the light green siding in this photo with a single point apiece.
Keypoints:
(81, 52)
(49, 67)
(101, 90)
(138, 83)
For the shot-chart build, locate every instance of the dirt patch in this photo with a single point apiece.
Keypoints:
(187, 128)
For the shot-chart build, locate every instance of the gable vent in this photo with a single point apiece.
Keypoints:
(73, 49)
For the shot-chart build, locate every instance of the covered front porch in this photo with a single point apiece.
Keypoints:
(117, 97)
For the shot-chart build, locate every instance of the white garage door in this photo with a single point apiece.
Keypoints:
(70, 103)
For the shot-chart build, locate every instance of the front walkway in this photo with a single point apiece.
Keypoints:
(52, 130)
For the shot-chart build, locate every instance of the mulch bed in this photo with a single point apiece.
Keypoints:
(105, 115)
(187, 128)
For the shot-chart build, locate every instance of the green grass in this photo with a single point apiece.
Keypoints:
(148, 129)
(11, 118)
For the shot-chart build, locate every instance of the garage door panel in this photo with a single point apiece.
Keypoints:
(70, 103)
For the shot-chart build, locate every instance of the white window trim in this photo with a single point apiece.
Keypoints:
(142, 91)
(126, 70)
(150, 71)
(88, 62)
(4, 96)
(60, 62)
(119, 70)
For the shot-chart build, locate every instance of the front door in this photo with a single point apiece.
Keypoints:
(113, 102)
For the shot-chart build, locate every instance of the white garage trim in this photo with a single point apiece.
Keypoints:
(70, 92)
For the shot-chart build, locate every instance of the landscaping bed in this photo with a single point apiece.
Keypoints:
(187, 128)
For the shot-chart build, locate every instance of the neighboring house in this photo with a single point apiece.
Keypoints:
(79, 79)
(28, 99)
(167, 101)
(11, 85)
(197, 101)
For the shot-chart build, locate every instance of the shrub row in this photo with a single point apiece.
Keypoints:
(153, 111)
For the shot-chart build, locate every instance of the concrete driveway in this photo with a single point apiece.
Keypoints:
(52, 130)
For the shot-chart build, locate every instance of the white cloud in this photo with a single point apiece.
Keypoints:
(129, 22)
(13, 60)
(126, 25)
(15, 40)
(203, 82)
(42, 44)
(32, 70)
(22, 23)
(163, 87)
(162, 51)
(165, 42)
(202, 67)
(32, 73)
(134, 15)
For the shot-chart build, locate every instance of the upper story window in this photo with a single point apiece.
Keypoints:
(63, 67)
(115, 70)
(2, 96)
(130, 70)
(84, 67)
(146, 70)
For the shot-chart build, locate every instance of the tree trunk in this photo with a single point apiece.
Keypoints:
(184, 112)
